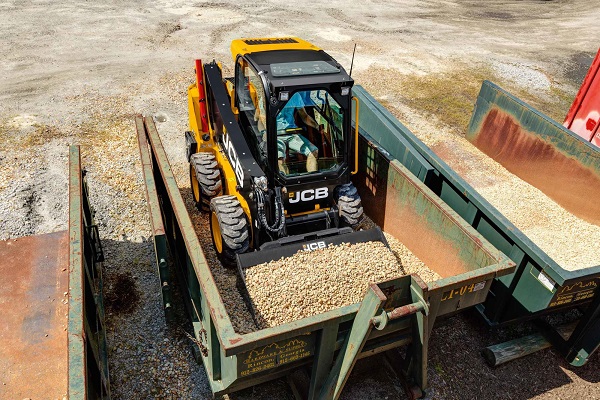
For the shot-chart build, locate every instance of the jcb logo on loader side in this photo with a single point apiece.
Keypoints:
(314, 246)
(309, 195)
(234, 159)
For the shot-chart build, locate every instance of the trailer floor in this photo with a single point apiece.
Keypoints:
(77, 72)
(34, 311)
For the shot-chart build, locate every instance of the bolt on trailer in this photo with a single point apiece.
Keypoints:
(51, 301)
(327, 345)
(565, 167)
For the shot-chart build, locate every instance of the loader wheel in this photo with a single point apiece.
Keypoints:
(229, 228)
(205, 179)
(349, 205)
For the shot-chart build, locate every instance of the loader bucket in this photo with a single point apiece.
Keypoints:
(317, 240)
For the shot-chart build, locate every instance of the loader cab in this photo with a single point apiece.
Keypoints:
(294, 110)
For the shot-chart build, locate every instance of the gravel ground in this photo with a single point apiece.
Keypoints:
(77, 72)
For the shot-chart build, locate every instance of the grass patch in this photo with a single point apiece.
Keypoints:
(438, 369)
(447, 98)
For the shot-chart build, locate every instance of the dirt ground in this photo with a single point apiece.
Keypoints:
(76, 72)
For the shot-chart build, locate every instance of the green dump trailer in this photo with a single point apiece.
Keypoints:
(52, 339)
(325, 347)
(548, 156)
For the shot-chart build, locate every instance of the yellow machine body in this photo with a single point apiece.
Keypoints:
(238, 47)
(229, 179)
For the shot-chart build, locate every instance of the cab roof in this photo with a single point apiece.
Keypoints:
(254, 45)
(291, 61)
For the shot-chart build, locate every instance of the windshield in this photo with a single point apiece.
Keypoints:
(310, 134)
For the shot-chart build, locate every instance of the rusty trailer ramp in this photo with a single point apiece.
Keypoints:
(34, 309)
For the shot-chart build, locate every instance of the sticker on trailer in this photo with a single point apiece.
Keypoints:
(544, 279)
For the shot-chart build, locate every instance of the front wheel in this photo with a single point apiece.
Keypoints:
(229, 229)
(205, 179)
(349, 205)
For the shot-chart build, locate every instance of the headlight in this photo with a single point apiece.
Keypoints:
(284, 96)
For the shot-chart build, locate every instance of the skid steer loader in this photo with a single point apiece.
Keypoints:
(271, 152)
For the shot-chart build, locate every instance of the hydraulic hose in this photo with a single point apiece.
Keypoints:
(279, 221)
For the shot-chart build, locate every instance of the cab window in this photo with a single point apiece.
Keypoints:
(310, 134)
(251, 104)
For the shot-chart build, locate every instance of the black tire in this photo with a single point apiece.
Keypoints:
(229, 229)
(205, 179)
(349, 205)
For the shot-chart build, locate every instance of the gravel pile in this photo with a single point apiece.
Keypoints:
(564, 237)
(311, 283)
(305, 284)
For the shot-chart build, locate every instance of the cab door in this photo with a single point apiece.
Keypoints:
(250, 99)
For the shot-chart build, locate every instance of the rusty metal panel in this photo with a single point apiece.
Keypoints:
(538, 150)
(33, 306)
(405, 207)
(431, 230)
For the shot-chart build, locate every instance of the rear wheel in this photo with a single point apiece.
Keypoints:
(205, 179)
(349, 205)
(229, 229)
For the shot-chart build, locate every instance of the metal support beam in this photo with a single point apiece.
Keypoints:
(370, 306)
(325, 347)
(405, 299)
(156, 222)
(88, 370)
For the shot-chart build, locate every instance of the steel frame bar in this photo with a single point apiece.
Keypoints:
(156, 221)
(88, 364)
